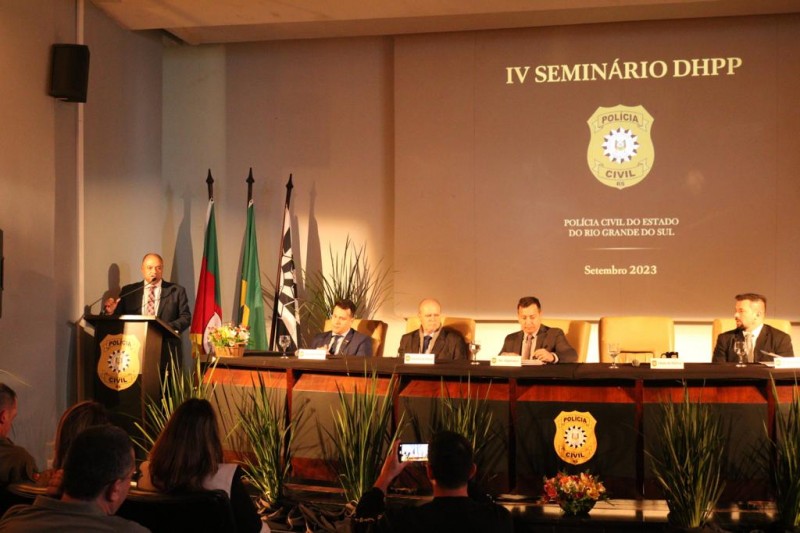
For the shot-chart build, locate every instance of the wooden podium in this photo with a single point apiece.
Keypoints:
(121, 367)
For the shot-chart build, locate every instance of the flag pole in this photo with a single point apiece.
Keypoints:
(250, 181)
(210, 184)
(274, 325)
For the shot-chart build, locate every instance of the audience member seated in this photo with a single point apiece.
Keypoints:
(97, 477)
(187, 457)
(16, 464)
(450, 466)
(80, 416)
(536, 341)
(749, 313)
(431, 337)
(342, 339)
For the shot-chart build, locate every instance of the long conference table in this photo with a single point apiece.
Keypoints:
(524, 402)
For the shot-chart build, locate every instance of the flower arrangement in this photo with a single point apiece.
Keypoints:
(228, 335)
(575, 493)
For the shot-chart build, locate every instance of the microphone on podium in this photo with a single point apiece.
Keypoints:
(88, 309)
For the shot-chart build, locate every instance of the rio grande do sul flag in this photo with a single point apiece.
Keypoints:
(207, 309)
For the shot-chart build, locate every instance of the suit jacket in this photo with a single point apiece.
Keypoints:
(770, 340)
(551, 339)
(173, 307)
(449, 344)
(354, 343)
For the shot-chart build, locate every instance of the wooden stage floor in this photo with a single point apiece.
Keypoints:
(532, 516)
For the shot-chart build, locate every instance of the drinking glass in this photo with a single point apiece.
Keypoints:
(741, 353)
(613, 352)
(284, 341)
(474, 348)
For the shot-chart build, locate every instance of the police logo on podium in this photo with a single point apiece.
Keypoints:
(575, 441)
(119, 363)
(620, 152)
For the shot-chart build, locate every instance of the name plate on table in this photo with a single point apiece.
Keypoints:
(666, 363)
(506, 360)
(419, 358)
(312, 355)
(785, 362)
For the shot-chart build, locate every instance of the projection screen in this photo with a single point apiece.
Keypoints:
(642, 168)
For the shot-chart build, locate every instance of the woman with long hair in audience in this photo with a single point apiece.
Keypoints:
(187, 456)
(74, 420)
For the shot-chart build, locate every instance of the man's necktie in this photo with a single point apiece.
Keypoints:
(335, 344)
(151, 301)
(748, 346)
(426, 342)
(526, 347)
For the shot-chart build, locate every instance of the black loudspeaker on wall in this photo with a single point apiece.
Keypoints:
(2, 260)
(69, 72)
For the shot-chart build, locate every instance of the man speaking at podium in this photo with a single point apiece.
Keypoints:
(153, 297)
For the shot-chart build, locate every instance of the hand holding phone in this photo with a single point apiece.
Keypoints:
(412, 452)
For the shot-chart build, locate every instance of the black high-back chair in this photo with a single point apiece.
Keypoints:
(18, 493)
(197, 512)
(202, 512)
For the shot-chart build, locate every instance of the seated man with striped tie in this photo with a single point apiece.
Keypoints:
(758, 337)
(342, 339)
(537, 341)
(431, 337)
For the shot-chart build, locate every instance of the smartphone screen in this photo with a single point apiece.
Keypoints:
(413, 452)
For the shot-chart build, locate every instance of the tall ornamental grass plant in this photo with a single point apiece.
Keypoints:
(688, 460)
(784, 475)
(362, 434)
(469, 416)
(263, 419)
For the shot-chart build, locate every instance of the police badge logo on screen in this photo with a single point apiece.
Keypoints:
(621, 151)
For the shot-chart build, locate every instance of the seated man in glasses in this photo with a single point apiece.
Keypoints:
(446, 343)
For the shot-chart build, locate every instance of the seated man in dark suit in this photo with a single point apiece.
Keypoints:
(450, 466)
(536, 341)
(97, 477)
(16, 464)
(749, 315)
(153, 297)
(431, 337)
(342, 339)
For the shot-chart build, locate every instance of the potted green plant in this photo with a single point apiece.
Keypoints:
(687, 462)
(362, 434)
(268, 435)
(783, 461)
(469, 415)
(353, 277)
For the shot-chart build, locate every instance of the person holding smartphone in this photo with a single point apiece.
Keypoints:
(450, 466)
